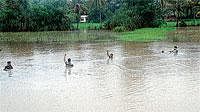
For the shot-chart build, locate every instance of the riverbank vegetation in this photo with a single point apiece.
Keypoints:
(136, 20)
(88, 26)
(182, 34)
(56, 36)
(146, 34)
(34, 15)
(117, 15)
(97, 26)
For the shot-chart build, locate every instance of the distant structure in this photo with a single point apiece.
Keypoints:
(83, 18)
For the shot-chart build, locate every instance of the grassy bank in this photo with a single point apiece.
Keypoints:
(154, 34)
(138, 35)
(145, 34)
(189, 22)
(86, 26)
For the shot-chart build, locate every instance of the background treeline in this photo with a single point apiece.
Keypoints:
(120, 15)
(131, 14)
(37, 15)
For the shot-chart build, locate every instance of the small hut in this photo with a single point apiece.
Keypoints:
(83, 18)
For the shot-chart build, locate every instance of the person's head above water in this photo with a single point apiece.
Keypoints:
(111, 55)
(69, 60)
(8, 62)
(175, 47)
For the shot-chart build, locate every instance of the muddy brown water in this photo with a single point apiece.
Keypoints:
(139, 78)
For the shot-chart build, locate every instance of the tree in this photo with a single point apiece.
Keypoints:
(22, 15)
(79, 8)
(136, 14)
(10, 12)
(177, 7)
(77, 11)
(97, 12)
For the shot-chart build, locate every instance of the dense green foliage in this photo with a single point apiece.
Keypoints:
(180, 10)
(117, 15)
(24, 15)
(135, 14)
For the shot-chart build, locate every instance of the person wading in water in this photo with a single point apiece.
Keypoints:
(110, 55)
(175, 50)
(8, 66)
(68, 61)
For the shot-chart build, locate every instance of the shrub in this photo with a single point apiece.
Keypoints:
(157, 23)
(135, 14)
(119, 19)
(182, 24)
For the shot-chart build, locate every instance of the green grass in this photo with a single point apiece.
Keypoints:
(86, 26)
(189, 22)
(145, 34)
(154, 34)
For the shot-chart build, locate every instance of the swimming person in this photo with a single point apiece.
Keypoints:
(68, 61)
(175, 50)
(8, 66)
(109, 55)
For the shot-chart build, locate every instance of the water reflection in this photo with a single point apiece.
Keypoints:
(109, 61)
(68, 71)
(9, 73)
(139, 78)
(20, 48)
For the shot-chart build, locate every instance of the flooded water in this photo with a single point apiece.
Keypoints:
(138, 79)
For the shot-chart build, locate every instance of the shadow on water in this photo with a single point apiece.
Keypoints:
(10, 73)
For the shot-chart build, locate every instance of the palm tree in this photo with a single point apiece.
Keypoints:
(98, 4)
(79, 8)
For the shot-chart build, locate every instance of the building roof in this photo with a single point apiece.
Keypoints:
(84, 16)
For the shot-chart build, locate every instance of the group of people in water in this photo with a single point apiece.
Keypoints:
(68, 62)
(175, 50)
(110, 56)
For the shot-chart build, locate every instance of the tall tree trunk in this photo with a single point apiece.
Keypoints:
(178, 13)
(77, 11)
(162, 8)
(178, 18)
(77, 22)
(100, 17)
